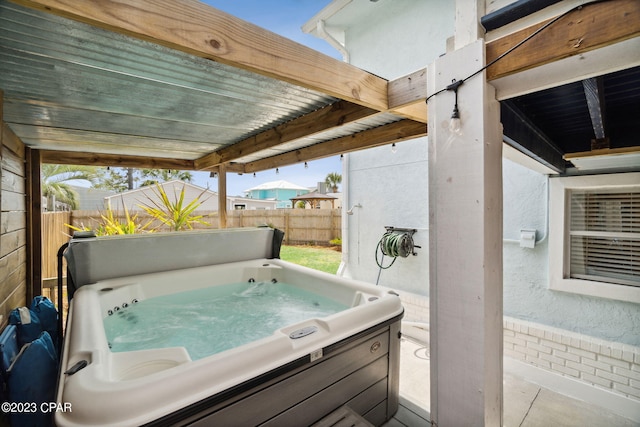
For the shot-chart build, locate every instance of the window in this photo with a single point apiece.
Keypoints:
(595, 235)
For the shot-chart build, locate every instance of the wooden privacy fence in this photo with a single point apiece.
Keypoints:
(301, 226)
(54, 234)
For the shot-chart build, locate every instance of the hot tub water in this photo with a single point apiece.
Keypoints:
(211, 320)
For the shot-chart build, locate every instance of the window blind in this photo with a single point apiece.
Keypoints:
(604, 235)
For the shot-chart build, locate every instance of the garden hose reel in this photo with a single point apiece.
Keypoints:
(395, 242)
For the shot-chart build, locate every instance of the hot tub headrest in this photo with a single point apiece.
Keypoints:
(91, 258)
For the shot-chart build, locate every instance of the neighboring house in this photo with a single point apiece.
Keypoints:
(279, 191)
(91, 198)
(132, 199)
(88, 199)
(585, 328)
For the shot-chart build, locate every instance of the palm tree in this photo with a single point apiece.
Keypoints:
(154, 176)
(55, 181)
(332, 180)
(123, 179)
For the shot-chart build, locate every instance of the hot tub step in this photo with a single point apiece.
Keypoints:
(343, 417)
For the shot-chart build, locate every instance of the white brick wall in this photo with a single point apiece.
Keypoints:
(416, 307)
(603, 364)
(612, 366)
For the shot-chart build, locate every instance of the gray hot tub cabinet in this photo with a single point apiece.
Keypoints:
(360, 372)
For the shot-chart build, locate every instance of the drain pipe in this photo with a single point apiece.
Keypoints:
(345, 217)
(322, 32)
(317, 25)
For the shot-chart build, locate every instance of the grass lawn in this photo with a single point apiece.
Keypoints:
(318, 258)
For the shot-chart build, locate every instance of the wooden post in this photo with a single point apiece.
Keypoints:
(465, 240)
(34, 225)
(1, 132)
(222, 196)
(287, 232)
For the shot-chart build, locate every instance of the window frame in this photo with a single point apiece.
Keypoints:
(559, 188)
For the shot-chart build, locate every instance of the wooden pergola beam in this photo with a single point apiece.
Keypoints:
(382, 135)
(407, 95)
(590, 27)
(201, 30)
(594, 26)
(10, 140)
(116, 160)
(337, 114)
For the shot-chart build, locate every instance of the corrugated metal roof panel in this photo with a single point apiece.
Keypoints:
(127, 94)
(337, 132)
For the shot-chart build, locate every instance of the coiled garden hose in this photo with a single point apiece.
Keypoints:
(393, 244)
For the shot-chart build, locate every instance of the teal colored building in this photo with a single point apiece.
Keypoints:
(280, 191)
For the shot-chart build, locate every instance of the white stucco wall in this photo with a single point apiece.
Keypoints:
(394, 38)
(392, 187)
(526, 282)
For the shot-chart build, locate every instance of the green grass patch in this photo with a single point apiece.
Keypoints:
(318, 258)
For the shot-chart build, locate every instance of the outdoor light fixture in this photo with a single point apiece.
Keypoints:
(254, 174)
(394, 149)
(455, 125)
(277, 171)
(306, 166)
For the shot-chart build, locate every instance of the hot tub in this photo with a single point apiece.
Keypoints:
(293, 375)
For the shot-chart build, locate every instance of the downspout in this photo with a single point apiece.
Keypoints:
(345, 218)
(322, 32)
(334, 7)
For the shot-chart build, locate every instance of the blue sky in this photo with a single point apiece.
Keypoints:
(283, 17)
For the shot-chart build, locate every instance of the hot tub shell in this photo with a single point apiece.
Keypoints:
(287, 379)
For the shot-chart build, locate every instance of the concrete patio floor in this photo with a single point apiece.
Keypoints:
(525, 404)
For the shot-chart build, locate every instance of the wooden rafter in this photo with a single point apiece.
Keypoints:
(382, 135)
(198, 29)
(602, 152)
(201, 30)
(334, 115)
(590, 27)
(11, 140)
(407, 95)
(116, 160)
(593, 26)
